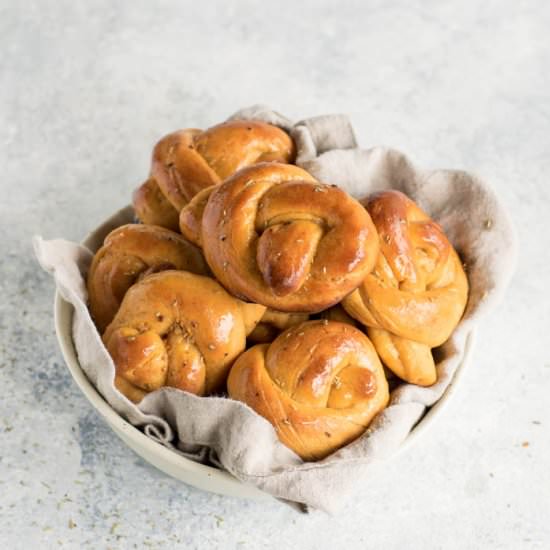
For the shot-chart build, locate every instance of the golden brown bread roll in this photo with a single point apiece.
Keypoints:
(177, 329)
(274, 235)
(319, 383)
(273, 322)
(190, 219)
(153, 208)
(338, 313)
(127, 253)
(187, 161)
(417, 292)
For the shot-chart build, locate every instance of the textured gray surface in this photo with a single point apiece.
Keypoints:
(86, 89)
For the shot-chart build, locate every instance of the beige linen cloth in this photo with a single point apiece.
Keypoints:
(230, 434)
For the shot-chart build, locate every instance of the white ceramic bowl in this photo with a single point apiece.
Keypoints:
(198, 475)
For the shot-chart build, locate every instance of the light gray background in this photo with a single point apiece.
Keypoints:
(86, 88)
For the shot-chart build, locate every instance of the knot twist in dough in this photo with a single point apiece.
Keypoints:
(187, 161)
(177, 329)
(319, 383)
(129, 253)
(274, 235)
(417, 292)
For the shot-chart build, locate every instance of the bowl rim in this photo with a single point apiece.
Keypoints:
(63, 314)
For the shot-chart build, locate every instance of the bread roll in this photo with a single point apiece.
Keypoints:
(128, 253)
(187, 161)
(273, 322)
(274, 235)
(319, 383)
(153, 208)
(417, 292)
(177, 329)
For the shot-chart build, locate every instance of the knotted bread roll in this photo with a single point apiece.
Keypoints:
(128, 253)
(177, 329)
(319, 383)
(273, 322)
(153, 208)
(417, 292)
(190, 218)
(187, 161)
(338, 313)
(274, 235)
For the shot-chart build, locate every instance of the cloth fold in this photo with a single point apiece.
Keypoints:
(231, 434)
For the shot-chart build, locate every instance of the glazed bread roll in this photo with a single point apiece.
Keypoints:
(338, 313)
(319, 383)
(153, 208)
(177, 329)
(274, 235)
(417, 292)
(128, 253)
(273, 322)
(190, 218)
(187, 161)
